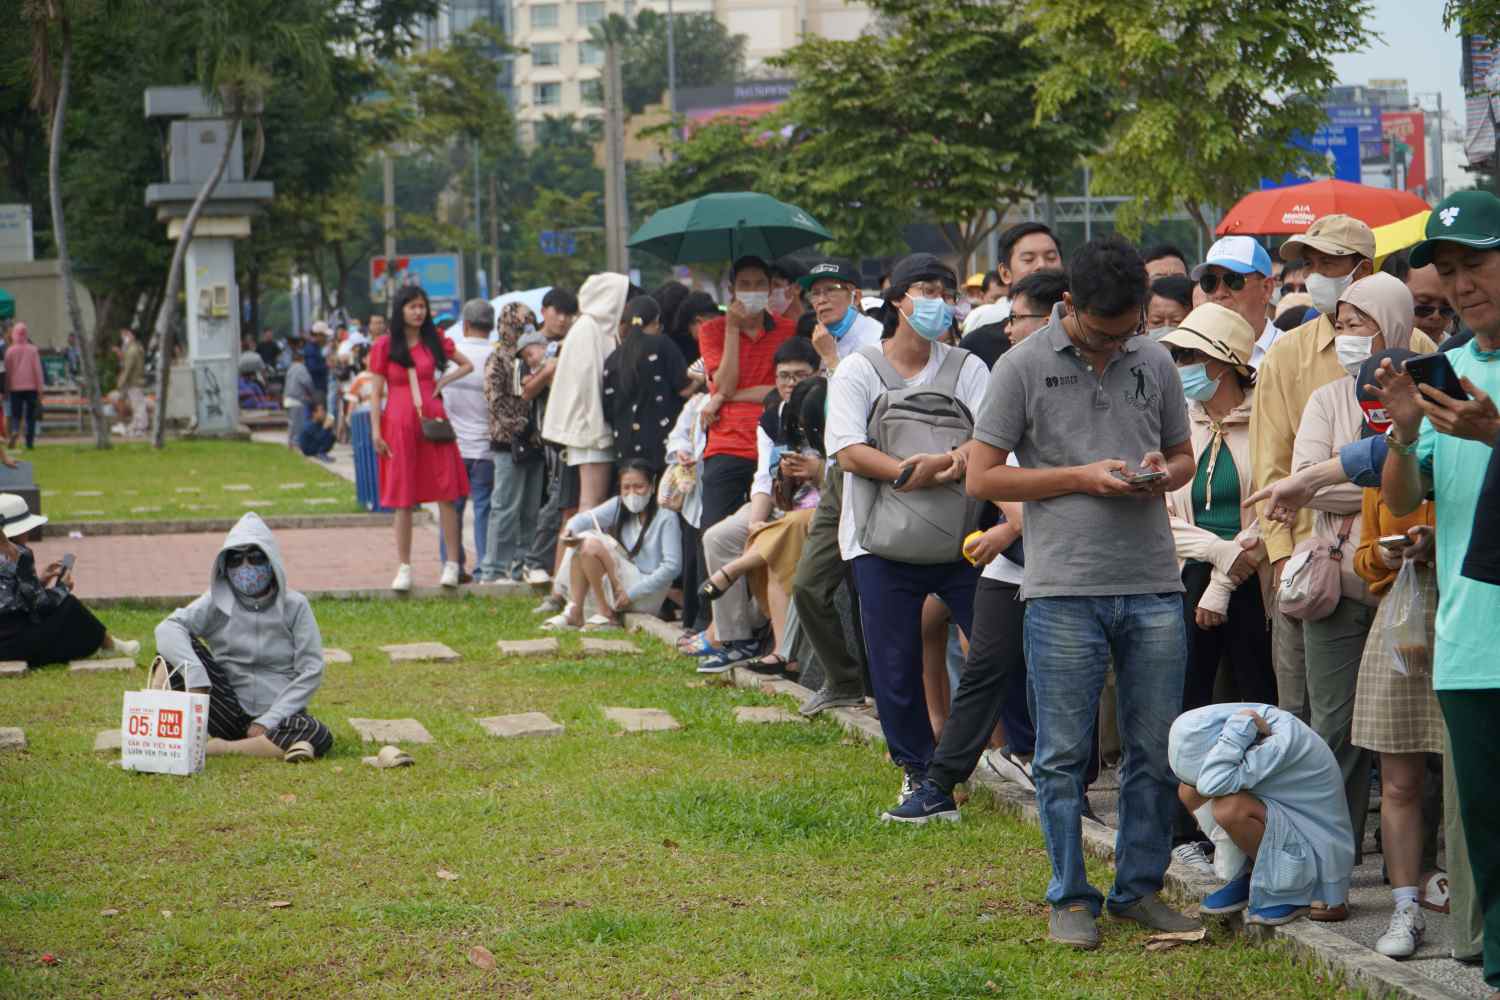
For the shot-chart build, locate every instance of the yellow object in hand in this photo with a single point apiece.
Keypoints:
(973, 537)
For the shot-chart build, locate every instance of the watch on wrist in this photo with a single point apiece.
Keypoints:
(1398, 446)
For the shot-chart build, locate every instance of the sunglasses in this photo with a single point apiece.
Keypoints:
(1447, 312)
(1232, 281)
(238, 557)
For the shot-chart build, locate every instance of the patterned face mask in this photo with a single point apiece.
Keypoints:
(250, 580)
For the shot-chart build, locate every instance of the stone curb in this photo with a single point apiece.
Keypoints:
(217, 525)
(1357, 965)
(497, 590)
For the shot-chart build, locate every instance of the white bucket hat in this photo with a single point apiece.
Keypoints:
(16, 518)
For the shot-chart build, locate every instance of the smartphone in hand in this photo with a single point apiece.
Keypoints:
(1393, 543)
(1437, 371)
(904, 478)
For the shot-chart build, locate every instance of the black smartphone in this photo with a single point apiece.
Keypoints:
(67, 565)
(1437, 371)
(902, 479)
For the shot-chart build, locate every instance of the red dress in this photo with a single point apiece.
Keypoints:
(418, 470)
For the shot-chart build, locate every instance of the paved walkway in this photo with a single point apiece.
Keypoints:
(177, 565)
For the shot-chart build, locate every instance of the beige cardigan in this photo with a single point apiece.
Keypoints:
(1331, 420)
(1198, 543)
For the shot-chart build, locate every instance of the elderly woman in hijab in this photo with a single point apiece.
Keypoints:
(1267, 788)
(1374, 314)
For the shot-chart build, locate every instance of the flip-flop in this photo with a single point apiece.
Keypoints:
(600, 623)
(390, 756)
(559, 622)
(696, 644)
(770, 665)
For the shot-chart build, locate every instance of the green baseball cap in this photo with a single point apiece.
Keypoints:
(1469, 218)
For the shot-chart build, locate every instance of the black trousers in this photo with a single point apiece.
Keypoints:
(726, 487)
(694, 608)
(991, 688)
(227, 720)
(25, 408)
(67, 632)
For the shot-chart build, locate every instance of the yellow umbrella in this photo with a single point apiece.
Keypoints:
(1399, 235)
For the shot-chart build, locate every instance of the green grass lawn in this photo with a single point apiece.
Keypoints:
(186, 479)
(717, 861)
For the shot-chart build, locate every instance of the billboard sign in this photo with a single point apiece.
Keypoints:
(440, 275)
(1366, 118)
(1409, 129)
(1340, 148)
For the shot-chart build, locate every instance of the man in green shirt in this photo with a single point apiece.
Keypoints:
(1444, 445)
(131, 381)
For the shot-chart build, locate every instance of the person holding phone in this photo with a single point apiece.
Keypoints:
(1444, 445)
(40, 620)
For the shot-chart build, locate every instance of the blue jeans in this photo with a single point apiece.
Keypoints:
(515, 503)
(1069, 645)
(481, 479)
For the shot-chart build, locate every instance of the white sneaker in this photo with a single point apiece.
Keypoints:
(128, 647)
(1193, 857)
(450, 575)
(1011, 768)
(538, 577)
(403, 578)
(551, 605)
(1404, 935)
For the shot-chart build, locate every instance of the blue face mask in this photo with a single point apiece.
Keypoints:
(840, 328)
(1196, 384)
(931, 318)
(250, 580)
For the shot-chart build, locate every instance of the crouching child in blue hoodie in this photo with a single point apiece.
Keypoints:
(252, 645)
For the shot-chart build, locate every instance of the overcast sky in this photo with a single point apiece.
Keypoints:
(1414, 45)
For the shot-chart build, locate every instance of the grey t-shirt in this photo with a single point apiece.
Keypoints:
(1051, 409)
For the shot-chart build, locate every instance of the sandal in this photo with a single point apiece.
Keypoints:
(770, 665)
(559, 622)
(695, 644)
(711, 591)
(601, 623)
(730, 656)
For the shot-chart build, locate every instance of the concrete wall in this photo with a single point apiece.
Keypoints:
(38, 292)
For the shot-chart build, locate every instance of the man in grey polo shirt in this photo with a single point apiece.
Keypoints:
(1087, 404)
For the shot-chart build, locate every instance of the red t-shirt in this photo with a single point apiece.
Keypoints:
(734, 434)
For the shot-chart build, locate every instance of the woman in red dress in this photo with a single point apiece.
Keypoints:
(414, 470)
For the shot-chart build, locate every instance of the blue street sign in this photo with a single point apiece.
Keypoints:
(1366, 118)
(1340, 148)
(558, 242)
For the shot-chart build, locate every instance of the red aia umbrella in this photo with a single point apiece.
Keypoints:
(1290, 210)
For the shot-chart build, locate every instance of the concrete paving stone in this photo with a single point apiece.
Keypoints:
(12, 738)
(145, 510)
(527, 647)
(237, 487)
(751, 714)
(524, 724)
(320, 500)
(107, 740)
(641, 720)
(88, 493)
(331, 655)
(257, 503)
(419, 652)
(49, 493)
(391, 730)
(293, 486)
(110, 665)
(88, 513)
(189, 489)
(12, 668)
(605, 647)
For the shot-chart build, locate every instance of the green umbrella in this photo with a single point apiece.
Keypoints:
(727, 227)
(7, 305)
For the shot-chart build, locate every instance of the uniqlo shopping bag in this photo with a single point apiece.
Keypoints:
(163, 731)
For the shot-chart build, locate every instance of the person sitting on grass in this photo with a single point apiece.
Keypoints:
(622, 556)
(40, 619)
(1275, 788)
(317, 437)
(253, 646)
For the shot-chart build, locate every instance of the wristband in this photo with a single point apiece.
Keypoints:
(1399, 447)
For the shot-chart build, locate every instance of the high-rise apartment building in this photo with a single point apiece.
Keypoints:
(559, 69)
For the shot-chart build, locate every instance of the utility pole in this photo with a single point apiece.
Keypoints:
(672, 62)
(388, 167)
(495, 284)
(614, 156)
(480, 284)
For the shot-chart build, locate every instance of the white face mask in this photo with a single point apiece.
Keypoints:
(779, 299)
(635, 502)
(754, 302)
(1158, 332)
(1352, 352)
(1325, 291)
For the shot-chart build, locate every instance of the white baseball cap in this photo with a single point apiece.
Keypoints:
(1240, 254)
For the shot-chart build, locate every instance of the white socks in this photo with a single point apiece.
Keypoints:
(1406, 895)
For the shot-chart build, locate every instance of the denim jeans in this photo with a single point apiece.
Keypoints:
(1069, 645)
(481, 477)
(515, 503)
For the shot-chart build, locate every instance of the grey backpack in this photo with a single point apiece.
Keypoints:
(925, 527)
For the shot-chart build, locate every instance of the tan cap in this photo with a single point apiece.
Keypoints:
(1293, 300)
(1216, 331)
(1340, 235)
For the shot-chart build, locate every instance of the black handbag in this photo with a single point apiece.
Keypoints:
(437, 430)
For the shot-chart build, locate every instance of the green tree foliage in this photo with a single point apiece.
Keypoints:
(1473, 17)
(1210, 92)
(554, 211)
(707, 54)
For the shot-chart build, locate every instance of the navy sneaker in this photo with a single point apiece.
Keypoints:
(1231, 898)
(926, 803)
(1272, 916)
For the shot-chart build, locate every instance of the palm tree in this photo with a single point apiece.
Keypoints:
(51, 84)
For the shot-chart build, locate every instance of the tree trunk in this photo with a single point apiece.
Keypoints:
(84, 338)
(252, 281)
(174, 285)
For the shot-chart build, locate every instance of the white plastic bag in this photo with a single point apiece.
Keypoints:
(1408, 619)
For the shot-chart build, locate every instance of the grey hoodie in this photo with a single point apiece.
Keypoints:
(273, 658)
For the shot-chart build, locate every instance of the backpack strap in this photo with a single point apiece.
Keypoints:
(953, 366)
(887, 372)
